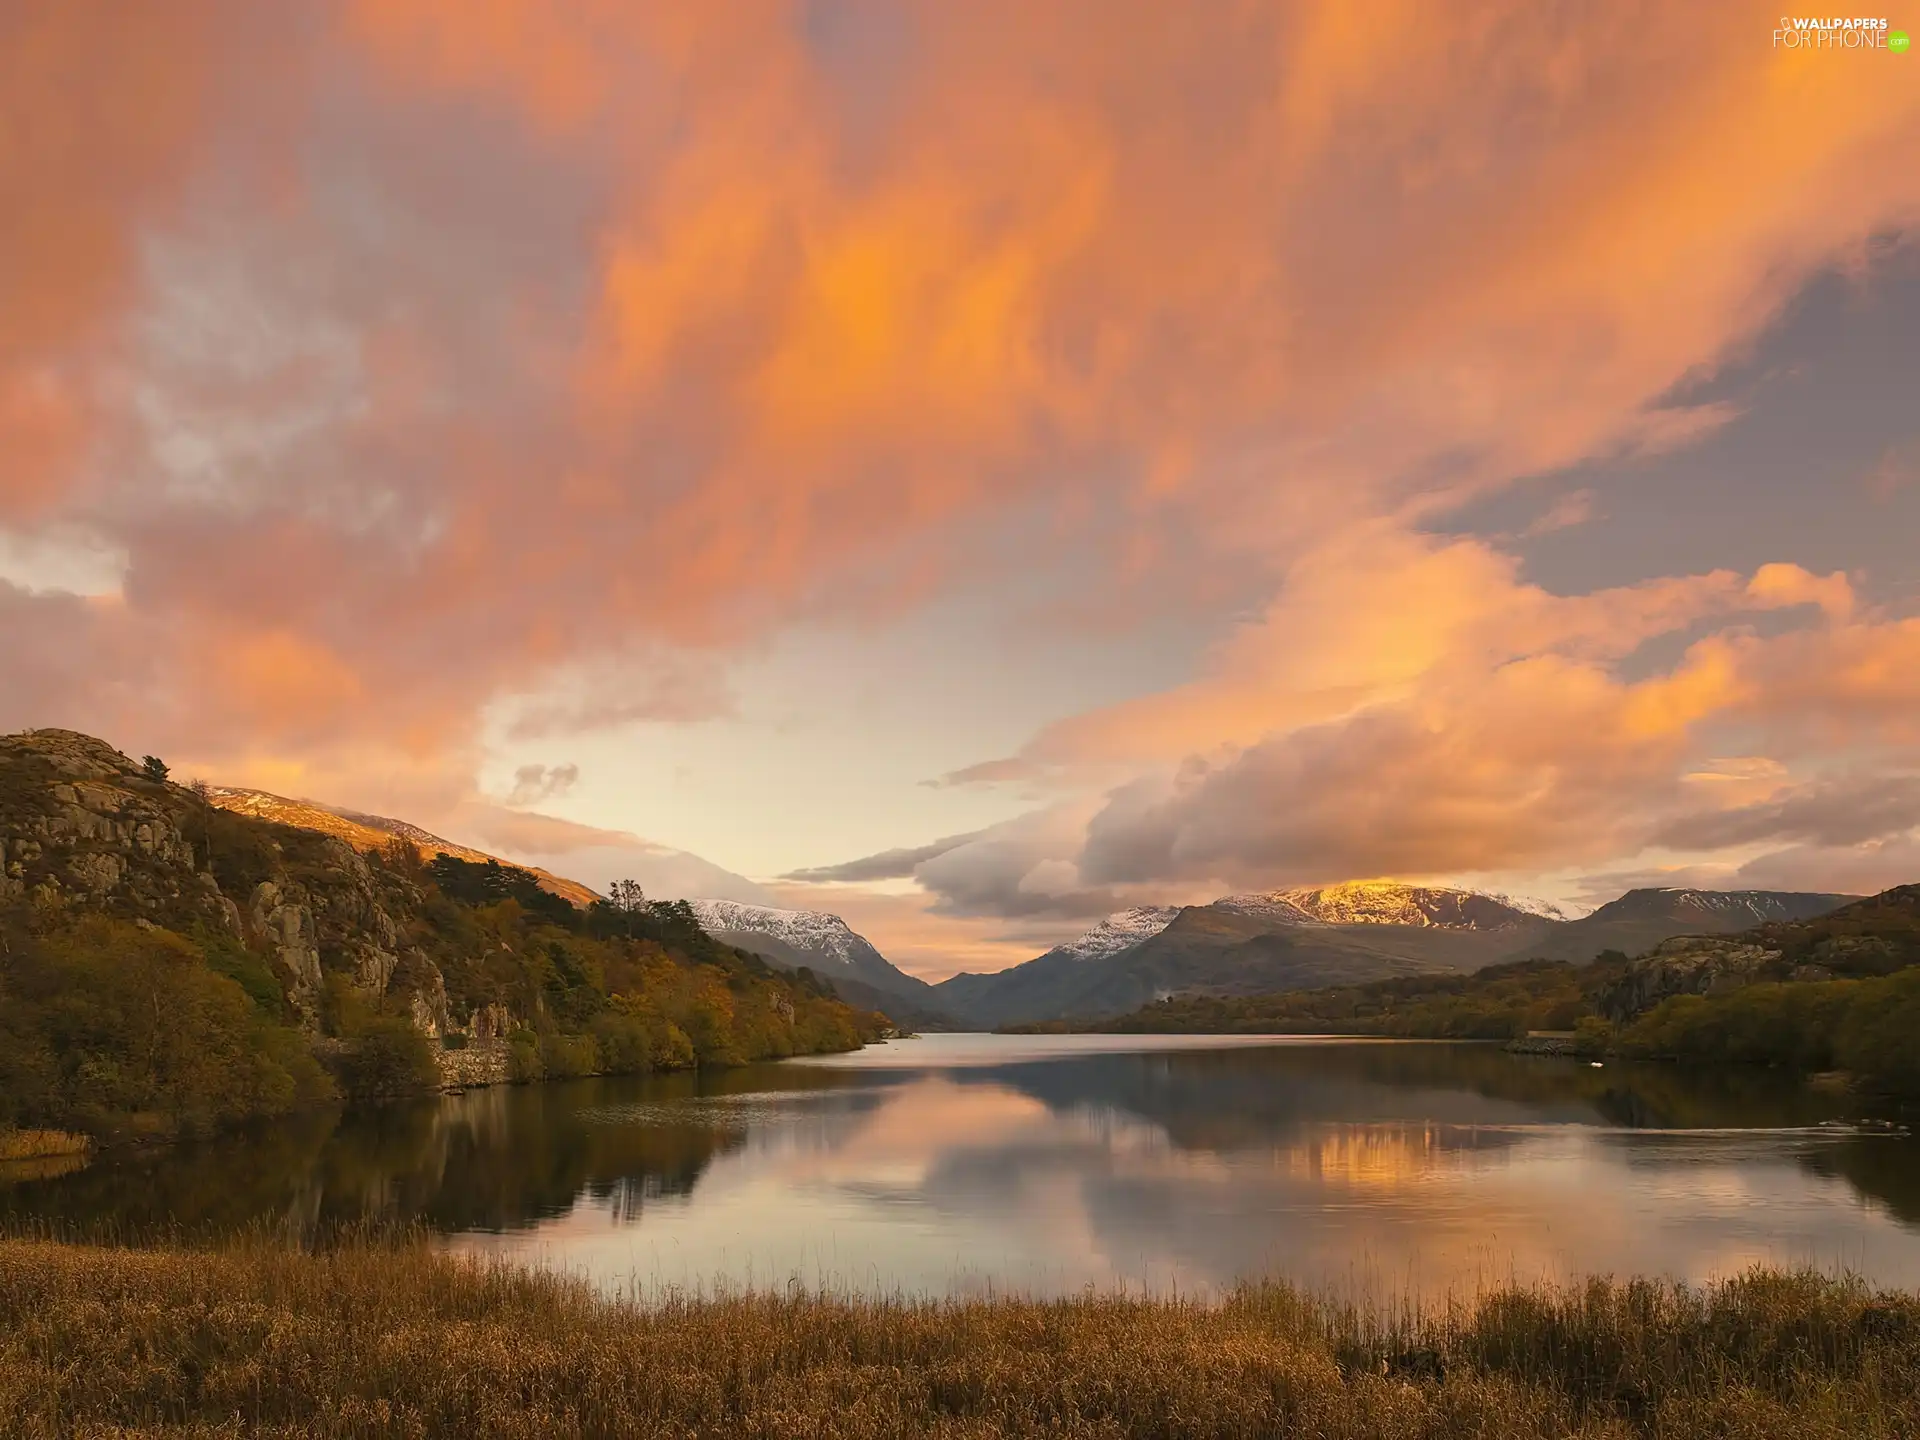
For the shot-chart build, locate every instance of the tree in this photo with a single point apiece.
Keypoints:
(627, 895)
(154, 768)
(403, 857)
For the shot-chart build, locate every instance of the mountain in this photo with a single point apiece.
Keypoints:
(1375, 902)
(831, 948)
(1121, 930)
(1642, 919)
(370, 832)
(1249, 944)
(1349, 934)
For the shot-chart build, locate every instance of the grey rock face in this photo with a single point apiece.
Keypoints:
(1688, 965)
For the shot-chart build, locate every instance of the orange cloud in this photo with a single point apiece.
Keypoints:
(504, 343)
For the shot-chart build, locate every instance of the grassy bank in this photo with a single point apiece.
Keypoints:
(362, 1342)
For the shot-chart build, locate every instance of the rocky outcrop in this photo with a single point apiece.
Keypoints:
(286, 926)
(83, 824)
(1689, 965)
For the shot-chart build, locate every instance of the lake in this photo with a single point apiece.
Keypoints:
(964, 1164)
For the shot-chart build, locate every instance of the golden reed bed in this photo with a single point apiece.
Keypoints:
(368, 1340)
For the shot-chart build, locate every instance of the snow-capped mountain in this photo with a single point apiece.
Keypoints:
(827, 940)
(826, 944)
(1387, 902)
(1121, 930)
(1742, 907)
(1533, 905)
(1338, 935)
(1641, 919)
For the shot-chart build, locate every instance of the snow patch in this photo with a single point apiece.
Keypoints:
(1121, 930)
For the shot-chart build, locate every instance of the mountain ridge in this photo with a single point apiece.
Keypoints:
(1352, 933)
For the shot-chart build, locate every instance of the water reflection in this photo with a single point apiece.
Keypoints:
(964, 1163)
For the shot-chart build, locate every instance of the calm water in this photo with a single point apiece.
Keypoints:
(960, 1163)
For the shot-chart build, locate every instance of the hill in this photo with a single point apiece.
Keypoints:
(168, 964)
(367, 833)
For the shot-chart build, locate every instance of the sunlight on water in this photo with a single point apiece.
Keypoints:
(1047, 1164)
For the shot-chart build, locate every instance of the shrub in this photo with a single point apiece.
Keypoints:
(523, 1057)
(1879, 1037)
(624, 1046)
(108, 1026)
(388, 1059)
(564, 1057)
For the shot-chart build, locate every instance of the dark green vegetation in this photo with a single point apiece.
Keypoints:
(115, 1029)
(169, 966)
(359, 1341)
(1840, 991)
(1497, 1003)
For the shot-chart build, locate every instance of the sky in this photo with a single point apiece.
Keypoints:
(973, 467)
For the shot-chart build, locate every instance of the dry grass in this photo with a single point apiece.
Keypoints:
(41, 1144)
(369, 1341)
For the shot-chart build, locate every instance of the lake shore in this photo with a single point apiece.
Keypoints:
(364, 1340)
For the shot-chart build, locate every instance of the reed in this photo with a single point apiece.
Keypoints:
(394, 1339)
(41, 1144)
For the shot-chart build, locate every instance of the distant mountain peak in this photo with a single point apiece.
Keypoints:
(810, 930)
(1392, 902)
(1748, 906)
(1121, 930)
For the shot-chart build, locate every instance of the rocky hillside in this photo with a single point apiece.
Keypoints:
(367, 833)
(1876, 936)
(136, 918)
(84, 826)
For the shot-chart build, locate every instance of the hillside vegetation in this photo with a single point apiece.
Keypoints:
(359, 1342)
(168, 965)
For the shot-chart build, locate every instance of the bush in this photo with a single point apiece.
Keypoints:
(624, 1046)
(387, 1060)
(1879, 1038)
(523, 1057)
(564, 1057)
(107, 1026)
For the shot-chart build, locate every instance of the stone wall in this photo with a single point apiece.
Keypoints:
(482, 1062)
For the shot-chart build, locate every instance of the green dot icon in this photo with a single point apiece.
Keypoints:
(1897, 41)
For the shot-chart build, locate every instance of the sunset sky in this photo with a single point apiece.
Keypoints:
(974, 466)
